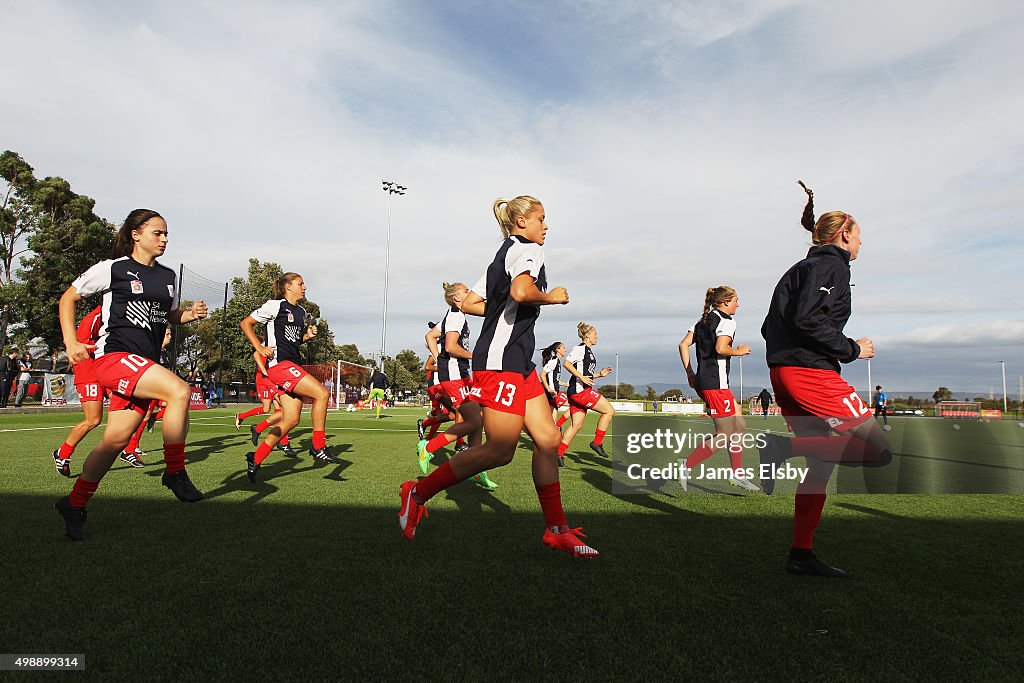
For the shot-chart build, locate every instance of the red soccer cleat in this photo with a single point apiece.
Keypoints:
(411, 512)
(569, 542)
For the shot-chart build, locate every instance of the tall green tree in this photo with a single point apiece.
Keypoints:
(942, 394)
(68, 238)
(16, 221)
(414, 364)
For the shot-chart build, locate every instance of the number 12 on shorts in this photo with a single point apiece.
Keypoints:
(510, 394)
(860, 409)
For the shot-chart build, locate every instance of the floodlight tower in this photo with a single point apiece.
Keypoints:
(390, 188)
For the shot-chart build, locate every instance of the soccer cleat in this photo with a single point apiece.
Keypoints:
(423, 456)
(561, 461)
(132, 459)
(74, 519)
(251, 468)
(182, 486)
(238, 422)
(419, 429)
(322, 455)
(683, 474)
(63, 465)
(599, 449)
(254, 435)
(287, 449)
(743, 483)
(812, 566)
(776, 449)
(569, 542)
(484, 481)
(411, 512)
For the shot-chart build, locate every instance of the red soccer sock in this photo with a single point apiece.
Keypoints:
(459, 442)
(437, 443)
(806, 515)
(133, 443)
(66, 450)
(262, 451)
(433, 432)
(599, 437)
(436, 481)
(562, 420)
(258, 410)
(736, 457)
(81, 492)
(699, 455)
(562, 448)
(845, 449)
(319, 439)
(160, 413)
(435, 420)
(284, 440)
(174, 457)
(262, 425)
(550, 496)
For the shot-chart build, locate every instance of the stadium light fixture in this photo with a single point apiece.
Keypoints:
(390, 188)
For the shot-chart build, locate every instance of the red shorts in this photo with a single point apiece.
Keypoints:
(286, 375)
(85, 382)
(265, 389)
(457, 390)
(557, 400)
(435, 392)
(118, 373)
(506, 392)
(803, 392)
(719, 402)
(583, 401)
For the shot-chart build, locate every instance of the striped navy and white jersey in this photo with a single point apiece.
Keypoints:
(136, 302)
(506, 338)
(286, 325)
(450, 368)
(712, 368)
(582, 358)
(552, 368)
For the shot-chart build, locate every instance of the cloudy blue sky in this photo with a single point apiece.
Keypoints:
(664, 139)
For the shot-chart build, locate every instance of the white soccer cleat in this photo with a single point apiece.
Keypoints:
(744, 484)
(886, 427)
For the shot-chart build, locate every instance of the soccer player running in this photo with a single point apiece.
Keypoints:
(133, 453)
(440, 410)
(376, 385)
(550, 368)
(140, 296)
(453, 359)
(713, 335)
(267, 392)
(765, 399)
(810, 307)
(505, 383)
(582, 365)
(286, 331)
(90, 393)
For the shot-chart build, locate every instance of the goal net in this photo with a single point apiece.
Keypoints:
(963, 410)
(343, 380)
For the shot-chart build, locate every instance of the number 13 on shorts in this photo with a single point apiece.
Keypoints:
(509, 394)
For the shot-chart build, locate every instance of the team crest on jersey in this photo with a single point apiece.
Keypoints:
(136, 286)
(291, 318)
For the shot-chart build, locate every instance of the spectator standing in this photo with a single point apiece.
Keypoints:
(8, 370)
(23, 379)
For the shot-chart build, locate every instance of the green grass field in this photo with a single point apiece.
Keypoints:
(304, 575)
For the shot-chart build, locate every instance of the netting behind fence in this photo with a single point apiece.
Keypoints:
(343, 380)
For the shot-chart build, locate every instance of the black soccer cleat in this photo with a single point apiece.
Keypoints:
(74, 519)
(251, 467)
(419, 429)
(254, 435)
(561, 461)
(323, 455)
(181, 486)
(287, 449)
(151, 422)
(63, 465)
(776, 449)
(812, 566)
(599, 449)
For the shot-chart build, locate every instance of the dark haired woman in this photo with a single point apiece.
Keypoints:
(713, 335)
(505, 382)
(549, 370)
(140, 297)
(810, 307)
(286, 330)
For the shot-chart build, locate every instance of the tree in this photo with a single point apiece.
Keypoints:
(942, 394)
(399, 377)
(672, 395)
(15, 222)
(411, 362)
(67, 240)
(626, 391)
(350, 353)
(652, 395)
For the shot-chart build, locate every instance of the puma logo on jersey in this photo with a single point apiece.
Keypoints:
(134, 275)
(827, 290)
